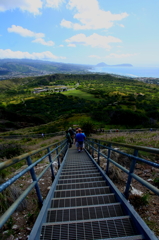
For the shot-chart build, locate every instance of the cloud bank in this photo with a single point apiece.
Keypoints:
(32, 6)
(18, 54)
(27, 33)
(90, 16)
(24, 32)
(94, 40)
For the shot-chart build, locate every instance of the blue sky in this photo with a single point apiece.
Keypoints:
(81, 31)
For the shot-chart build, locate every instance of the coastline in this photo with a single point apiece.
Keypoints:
(132, 72)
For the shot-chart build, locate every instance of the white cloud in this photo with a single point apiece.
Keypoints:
(18, 54)
(93, 40)
(114, 55)
(32, 6)
(25, 32)
(71, 45)
(121, 25)
(42, 41)
(90, 16)
(66, 24)
(53, 3)
(61, 45)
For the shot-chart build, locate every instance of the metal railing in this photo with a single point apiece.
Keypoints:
(42, 135)
(97, 145)
(58, 149)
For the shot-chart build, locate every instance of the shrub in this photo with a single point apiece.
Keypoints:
(156, 181)
(87, 127)
(10, 150)
(9, 196)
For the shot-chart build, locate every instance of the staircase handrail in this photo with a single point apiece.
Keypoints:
(58, 148)
(90, 142)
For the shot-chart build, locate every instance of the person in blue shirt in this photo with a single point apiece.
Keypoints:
(79, 139)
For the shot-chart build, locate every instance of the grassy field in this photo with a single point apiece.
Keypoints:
(144, 138)
(81, 94)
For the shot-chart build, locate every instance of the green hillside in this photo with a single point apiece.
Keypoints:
(105, 100)
(27, 67)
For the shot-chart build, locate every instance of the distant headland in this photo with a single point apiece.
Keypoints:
(102, 64)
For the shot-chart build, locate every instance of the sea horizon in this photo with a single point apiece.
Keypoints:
(134, 72)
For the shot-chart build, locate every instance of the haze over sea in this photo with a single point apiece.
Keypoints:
(129, 71)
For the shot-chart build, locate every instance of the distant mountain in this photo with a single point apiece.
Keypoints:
(27, 67)
(102, 64)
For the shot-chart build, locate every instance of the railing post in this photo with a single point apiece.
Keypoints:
(132, 167)
(32, 172)
(99, 152)
(93, 149)
(87, 146)
(57, 152)
(51, 167)
(109, 151)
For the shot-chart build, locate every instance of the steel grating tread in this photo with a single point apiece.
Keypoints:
(78, 172)
(80, 185)
(83, 201)
(88, 229)
(78, 164)
(84, 213)
(74, 180)
(78, 158)
(78, 169)
(81, 192)
(80, 176)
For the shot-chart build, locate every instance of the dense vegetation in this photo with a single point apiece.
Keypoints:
(107, 100)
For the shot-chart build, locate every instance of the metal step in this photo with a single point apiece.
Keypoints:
(91, 168)
(79, 162)
(117, 227)
(81, 192)
(80, 185)
(86, 171)
(77, 165)
(84, 213)
(83, 201)
(81, 175)
(80, 180)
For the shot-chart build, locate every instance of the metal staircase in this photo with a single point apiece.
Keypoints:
(84, 204)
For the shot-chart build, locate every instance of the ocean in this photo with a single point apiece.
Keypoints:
(129, 71)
